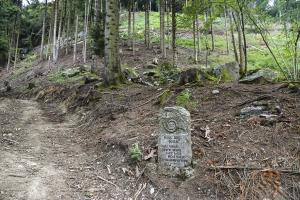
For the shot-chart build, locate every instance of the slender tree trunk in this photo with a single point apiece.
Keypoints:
(49, 42)
(58, 43)
(296, 69)
(206, 41)
(174, 31)
(133, 28)
(68, 29)
(86, 28)
(147, 25)
(162, 28)
(17, 49)
(43, 31)
(75, 43)
(211, 27)
(56, 4)
(9, 51)
(112, 73)
(168, 24)
(129, 22)
(232, 38)
(244, 43)
(198, 36)
(240, 41)
(194, 40)
(96, 10)
(226, 30)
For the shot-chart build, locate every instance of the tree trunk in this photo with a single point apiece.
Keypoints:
(56, 3)
(244, 43)
(296, 69)
(68, 30)
(241, 51)
(16, 49)
(75, 43)
(96, 10)
(211, 27)
(9, 52)
(129, 22)
(194, 40)
(86, 24)
(49, 42)
(168, 24)
(133, 28)
(58, 37)
(43, 31)
(198, 36)
(226, 30)
(232, 38)
(162, 28)
(112, 73)
(147, 25)
(174, 31)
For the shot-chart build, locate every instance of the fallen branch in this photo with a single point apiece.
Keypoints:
(264, 97)
(151, 99)
(287, 171)
(140, 189)
(103, 179)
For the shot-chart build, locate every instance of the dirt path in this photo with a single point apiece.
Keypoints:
(37, 155)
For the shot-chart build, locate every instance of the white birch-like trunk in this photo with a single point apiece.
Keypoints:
(75, 42)
(162, 28)
(43, 32)
(56, 4)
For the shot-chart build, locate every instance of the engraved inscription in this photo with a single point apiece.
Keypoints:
(174, 145)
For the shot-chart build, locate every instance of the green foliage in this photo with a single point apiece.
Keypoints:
(164, 98)
(135, 152)
(184, 99)
(167, 73)
(60, 78)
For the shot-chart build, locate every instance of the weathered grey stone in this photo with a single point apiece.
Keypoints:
(228, 71)
(174, 145)
(252, 110)
(260, 76)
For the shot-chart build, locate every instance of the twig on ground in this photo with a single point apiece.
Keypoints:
(103, 179)
(264, 97)
(288, 171)
(140, 189)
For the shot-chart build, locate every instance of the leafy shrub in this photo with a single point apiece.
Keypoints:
(135, 152)
(184, 99)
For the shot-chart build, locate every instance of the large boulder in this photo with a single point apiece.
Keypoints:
(228, 72)
(260, 76)
(194, 75)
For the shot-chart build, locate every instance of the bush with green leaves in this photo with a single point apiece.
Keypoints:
(184, 99)
(135, 152)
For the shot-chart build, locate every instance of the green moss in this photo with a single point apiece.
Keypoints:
(184, 99)
(165, 97)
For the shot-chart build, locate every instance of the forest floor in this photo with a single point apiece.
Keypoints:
(72, 140)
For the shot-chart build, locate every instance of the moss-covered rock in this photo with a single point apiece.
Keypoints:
(194, 75)
(228, 72)
(260, 76)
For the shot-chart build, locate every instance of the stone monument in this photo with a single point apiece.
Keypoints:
(174, 144)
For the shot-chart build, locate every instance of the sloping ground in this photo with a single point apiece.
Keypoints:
(263, 158)
(73, 141)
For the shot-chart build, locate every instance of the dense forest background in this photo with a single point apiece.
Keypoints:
(256, 34)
